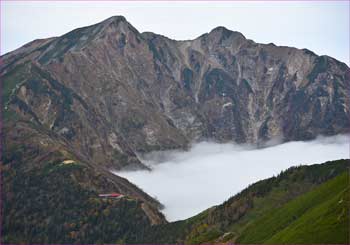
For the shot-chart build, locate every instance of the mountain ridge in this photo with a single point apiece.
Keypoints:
(100, 95)
(219, 86)
(121, 19)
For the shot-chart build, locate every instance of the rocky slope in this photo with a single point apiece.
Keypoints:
(110, 92)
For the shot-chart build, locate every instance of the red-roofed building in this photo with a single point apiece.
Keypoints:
(111, 195)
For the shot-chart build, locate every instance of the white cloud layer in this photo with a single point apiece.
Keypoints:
(209, 173)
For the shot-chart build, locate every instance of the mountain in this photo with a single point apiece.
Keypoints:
(58, 202)
(107, 92)
(302, 205)
(75, 107)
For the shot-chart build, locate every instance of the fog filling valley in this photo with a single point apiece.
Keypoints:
(209, 173)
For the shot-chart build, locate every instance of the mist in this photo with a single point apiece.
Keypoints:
(209, 173)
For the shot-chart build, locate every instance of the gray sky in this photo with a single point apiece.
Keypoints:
(320, 26)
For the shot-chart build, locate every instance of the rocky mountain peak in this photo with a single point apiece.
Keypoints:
(115, 19)
(110, 91)
(224, 33)
(116, 23)
(118, 31)
(223, 37)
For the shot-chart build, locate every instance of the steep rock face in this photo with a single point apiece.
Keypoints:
(110, 92)
(250, 92)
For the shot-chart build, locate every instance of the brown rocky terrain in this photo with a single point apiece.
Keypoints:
(110, 92)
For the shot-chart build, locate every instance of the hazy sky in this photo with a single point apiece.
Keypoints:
(320, 26)
(190, 182)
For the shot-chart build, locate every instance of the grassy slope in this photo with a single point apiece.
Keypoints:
(272, 211)
(327, 222)
(319, 216)
(260, 198)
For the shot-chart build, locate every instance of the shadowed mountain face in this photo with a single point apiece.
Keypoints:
(107, 91)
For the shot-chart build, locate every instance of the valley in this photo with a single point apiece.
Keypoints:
(85, 111)
(187, 183)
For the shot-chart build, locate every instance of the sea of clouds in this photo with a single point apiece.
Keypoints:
(209, 173)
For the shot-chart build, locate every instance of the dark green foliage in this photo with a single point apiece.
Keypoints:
(204, 237)
(51, 206)
(64, 43)
(164, 234)
(154, 50)
(66, 94)
(122, 41)
(9, 115)
(225, 33)
(218, 82)
(239, 217)
(263, 54)
(247, 85)
(160, 50)
(118, 156)
(321, 65)
(283, 224)
(325, 222)
(180, 97)
(11, 81)
(135, 121)
(264, 130)
(187, 78)
(24, 108)
(309, 52)
(40, 83)
(194, 60)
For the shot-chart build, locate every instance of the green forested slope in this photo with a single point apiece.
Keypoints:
(305, 204)
(319, 216)
(56, 205)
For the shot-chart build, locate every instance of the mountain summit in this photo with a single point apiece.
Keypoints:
(116, 91)
(107, 92)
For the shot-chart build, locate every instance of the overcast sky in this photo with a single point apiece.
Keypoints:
(320, 26)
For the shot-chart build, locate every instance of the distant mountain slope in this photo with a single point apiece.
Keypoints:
(109, 92)
(306, 204)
